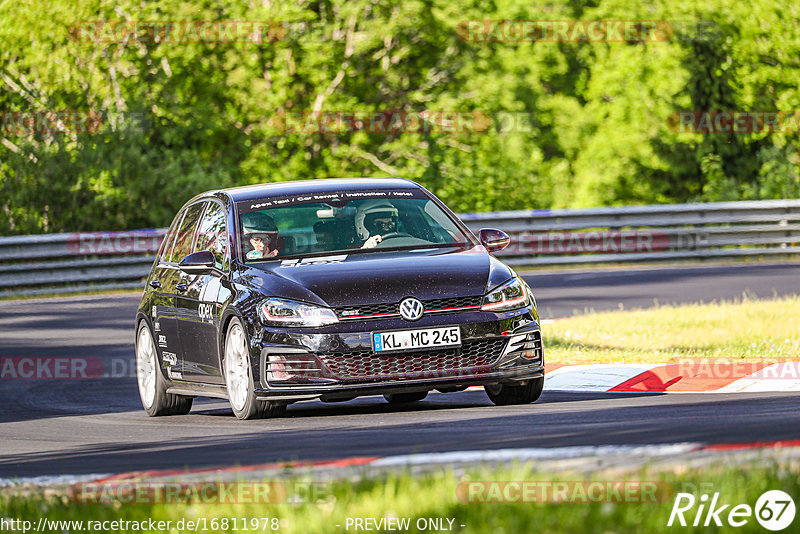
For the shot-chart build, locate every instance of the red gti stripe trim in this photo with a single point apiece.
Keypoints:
(346, 317)
(453, 309)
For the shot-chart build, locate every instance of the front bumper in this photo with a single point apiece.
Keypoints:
(337, 362)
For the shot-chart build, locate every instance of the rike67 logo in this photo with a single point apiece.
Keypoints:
(774, 510)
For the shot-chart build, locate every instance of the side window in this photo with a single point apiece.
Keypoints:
(169, 239)
(185, 236)
(213, 235)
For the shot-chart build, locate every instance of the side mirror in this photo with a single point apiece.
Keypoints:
(493, 239)
(198, 262)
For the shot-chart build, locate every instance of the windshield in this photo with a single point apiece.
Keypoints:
(349, 221)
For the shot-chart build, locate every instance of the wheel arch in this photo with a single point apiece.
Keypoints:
(142, 317)
(225, 322)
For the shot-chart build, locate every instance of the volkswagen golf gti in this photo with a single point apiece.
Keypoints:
(271, 294)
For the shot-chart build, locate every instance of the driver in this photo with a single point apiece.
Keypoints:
(260, 236)
(374, 220)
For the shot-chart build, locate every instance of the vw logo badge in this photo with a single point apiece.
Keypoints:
(411, 309)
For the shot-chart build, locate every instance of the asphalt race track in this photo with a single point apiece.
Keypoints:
(570, 292)
(97, 425)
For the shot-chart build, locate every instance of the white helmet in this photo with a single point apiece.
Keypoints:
(372, 207)
(257, 224)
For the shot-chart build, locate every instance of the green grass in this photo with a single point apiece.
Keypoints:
(750, 330)
(435, 495)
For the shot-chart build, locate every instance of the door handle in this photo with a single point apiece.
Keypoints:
(182, 287)
(155, 284)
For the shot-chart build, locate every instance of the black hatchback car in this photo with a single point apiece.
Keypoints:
(331, 289)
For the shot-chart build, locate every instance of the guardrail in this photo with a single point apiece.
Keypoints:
(647, 233)
(55, 263)
(52, 263)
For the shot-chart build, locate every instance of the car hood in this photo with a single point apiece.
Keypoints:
(380, 277)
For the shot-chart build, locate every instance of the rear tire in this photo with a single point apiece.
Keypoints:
(239, 378)
(405, 398)
(508, 394)
(152, 384)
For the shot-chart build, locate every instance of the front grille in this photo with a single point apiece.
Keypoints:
(453, 302)
(434, 304)
(475, 356)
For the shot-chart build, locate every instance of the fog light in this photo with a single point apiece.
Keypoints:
(277, 369)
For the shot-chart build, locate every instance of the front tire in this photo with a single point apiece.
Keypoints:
(152, 385)
(508, 394)
(239, 378)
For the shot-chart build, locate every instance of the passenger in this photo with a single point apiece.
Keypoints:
(260, 236)
(375, 219)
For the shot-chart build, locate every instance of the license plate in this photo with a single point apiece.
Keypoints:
(447, 336)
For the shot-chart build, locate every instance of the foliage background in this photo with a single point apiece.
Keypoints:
(599, 111)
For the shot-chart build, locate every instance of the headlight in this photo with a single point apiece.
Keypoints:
(509, 296)
(283, 312)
